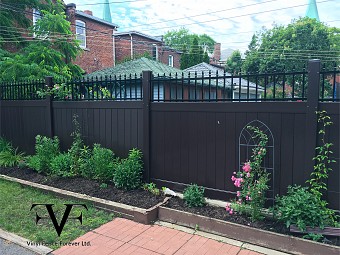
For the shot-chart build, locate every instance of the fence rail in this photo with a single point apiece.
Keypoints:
(182, 87)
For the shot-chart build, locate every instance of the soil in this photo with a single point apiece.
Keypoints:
(139, 198)
(144, 199)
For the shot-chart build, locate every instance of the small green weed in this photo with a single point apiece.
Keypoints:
(151, 187)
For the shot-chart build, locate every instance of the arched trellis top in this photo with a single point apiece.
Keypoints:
(246, 136)
(247, 142)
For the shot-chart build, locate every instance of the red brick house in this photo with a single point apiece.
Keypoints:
(129, 45)
(103, 46)
(96, 39)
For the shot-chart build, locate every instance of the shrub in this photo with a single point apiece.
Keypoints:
(45, 150)
(61, 165)
(10, 157)
(100, 165)
(194, 196)
(302, 208)
(128, 173)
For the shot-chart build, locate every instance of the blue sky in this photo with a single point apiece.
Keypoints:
(232, 23)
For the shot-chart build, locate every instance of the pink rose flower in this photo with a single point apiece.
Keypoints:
(246, 167)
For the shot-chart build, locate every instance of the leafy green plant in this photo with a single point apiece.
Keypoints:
(45, 150)
(152, 188)
(61, 165)
(252, 180)
(194, 196)
(4, 144)
(10, 157)
(76, 149)
(305, 206)
(59, 91)
(100, 165)
(128, 173)
(302, 208)
(322, 159)
(314, 237)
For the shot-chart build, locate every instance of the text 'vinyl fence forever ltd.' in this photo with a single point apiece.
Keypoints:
(187, 125)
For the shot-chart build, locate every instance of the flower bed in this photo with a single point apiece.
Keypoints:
(138, 205)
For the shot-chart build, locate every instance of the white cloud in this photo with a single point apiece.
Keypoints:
(235, 23)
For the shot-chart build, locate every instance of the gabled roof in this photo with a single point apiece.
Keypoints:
(204, 69)
(136, 66)
(83, 14)
(140, 34)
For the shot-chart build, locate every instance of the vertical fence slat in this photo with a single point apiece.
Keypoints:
(49, 110)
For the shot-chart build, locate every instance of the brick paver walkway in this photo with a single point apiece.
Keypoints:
(122, 236)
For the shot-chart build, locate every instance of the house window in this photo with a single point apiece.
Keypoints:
(171, 61)
(176, 93)
(154, 52)
(81, 33)
(36, 16)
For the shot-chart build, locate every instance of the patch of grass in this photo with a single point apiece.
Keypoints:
(16, 217)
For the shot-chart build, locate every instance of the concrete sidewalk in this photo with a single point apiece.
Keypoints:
(122, 236)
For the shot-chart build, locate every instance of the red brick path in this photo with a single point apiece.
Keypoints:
(122, 236)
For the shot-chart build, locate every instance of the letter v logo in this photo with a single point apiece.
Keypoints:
(59, 227)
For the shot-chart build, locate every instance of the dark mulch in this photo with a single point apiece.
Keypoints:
(139, 198)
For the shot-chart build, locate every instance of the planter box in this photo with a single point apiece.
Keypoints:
(145, 216)
(327, 231)
(243, 233)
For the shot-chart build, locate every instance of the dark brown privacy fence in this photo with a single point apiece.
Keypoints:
(185, 139)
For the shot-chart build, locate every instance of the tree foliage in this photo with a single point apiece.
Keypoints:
(50, 51)
(291, 46)
(12, 18)
(234, 62)
(195, 47)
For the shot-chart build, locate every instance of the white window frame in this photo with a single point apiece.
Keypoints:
(81, 33)
(36, 16)
(155, 52)
(171, 60)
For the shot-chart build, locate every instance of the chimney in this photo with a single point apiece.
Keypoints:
(71, 12)
(88, 12)
(217, 52)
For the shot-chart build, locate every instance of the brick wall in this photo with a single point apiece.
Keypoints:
(98, 53)
(141, 45)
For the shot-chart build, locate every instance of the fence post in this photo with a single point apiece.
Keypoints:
(146, 84)
(314, 67)
(49, 109)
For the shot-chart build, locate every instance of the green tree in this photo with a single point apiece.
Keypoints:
(234, 62)
(195, 47)
(291, 46)
(50, 52)
(13, 18)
